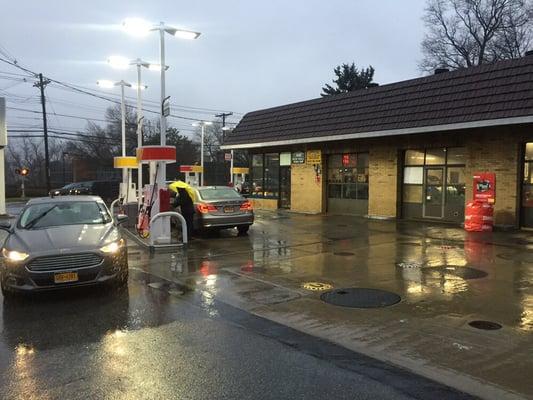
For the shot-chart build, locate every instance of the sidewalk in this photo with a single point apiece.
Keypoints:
(445, 277)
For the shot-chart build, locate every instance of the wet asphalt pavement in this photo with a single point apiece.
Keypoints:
(150, 341)
(231, 317)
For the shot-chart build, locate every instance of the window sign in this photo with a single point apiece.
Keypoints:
(298, 157)
(349, 160)
(285, 159)
(314, 157)
(413, 175)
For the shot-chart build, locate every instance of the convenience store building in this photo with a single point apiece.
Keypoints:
(403, 150)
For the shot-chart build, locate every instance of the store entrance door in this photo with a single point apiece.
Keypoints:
(285, 187)
(434, 193)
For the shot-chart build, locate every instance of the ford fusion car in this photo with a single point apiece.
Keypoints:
(62, 242)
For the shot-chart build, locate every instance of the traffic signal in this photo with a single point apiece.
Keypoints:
(22, 171)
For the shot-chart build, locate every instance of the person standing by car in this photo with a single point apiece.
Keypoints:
(185, 202)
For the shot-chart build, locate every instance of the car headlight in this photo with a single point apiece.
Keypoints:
(113, 247)
(13, 255)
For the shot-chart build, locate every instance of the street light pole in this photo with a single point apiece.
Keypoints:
(163, 123)
(139, 134)
(202, 155)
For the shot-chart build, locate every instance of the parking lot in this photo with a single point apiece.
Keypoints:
(443, 278)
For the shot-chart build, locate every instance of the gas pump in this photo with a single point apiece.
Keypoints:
(192, 174)
(156, 198)
(128, 189)
(240, 176)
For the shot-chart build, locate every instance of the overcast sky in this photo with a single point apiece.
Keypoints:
(252, 54)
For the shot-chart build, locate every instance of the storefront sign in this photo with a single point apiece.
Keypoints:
(238, 170)
(298, 157)
(485, 187)
(314, 157)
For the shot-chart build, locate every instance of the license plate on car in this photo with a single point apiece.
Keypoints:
(65, 277)
(228, 209)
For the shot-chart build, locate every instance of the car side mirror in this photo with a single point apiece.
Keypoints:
(5, 225)
(121, 218)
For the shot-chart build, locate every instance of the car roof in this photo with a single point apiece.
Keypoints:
(63, 199)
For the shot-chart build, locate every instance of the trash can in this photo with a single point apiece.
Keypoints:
(479, 216)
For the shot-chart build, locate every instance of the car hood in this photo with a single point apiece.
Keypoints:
(65, 238)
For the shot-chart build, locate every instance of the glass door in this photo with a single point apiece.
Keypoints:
(434, 192)
(285, 187)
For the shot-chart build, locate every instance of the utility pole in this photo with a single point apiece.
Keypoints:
(223, 116)
(41, 85)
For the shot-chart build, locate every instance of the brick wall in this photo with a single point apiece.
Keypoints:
(383, 185)
(498, 153)
(307, 195)
(264, 204)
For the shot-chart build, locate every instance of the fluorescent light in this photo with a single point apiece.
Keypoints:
(106, 84)
(134, 86)
(156, 67)
(118, 62)
(186, 34)
(137, 26)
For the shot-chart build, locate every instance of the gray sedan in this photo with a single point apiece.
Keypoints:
(61, 242)
(221, 207)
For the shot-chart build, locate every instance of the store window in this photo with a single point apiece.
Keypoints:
(527, 188)
(434, 183)
(348, 176)
(271, 175)
(265, 175)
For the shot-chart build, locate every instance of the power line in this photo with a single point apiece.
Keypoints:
(87, 92)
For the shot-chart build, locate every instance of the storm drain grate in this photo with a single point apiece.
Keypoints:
(344, 254)
(360, 298)
(485, 325)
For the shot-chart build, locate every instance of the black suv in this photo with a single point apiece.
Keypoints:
(107, 190)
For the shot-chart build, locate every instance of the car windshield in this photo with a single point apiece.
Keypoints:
(224, 193)
(45, 215)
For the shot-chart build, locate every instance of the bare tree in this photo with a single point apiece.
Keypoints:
(464, 33)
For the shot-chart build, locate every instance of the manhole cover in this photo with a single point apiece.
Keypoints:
(317, 286)
(485, 325)
(344, 254)
(360, 298)
(460, 272)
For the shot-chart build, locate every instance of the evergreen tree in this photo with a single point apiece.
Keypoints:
(350, 78)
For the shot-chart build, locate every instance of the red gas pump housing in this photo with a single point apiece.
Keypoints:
(164, 200)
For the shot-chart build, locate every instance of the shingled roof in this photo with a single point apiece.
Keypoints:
(488, 95)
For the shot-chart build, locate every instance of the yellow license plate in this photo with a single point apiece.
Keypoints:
(65, 277)
(229, 209)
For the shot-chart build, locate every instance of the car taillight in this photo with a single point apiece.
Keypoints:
(205, 208)
(247, 206)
